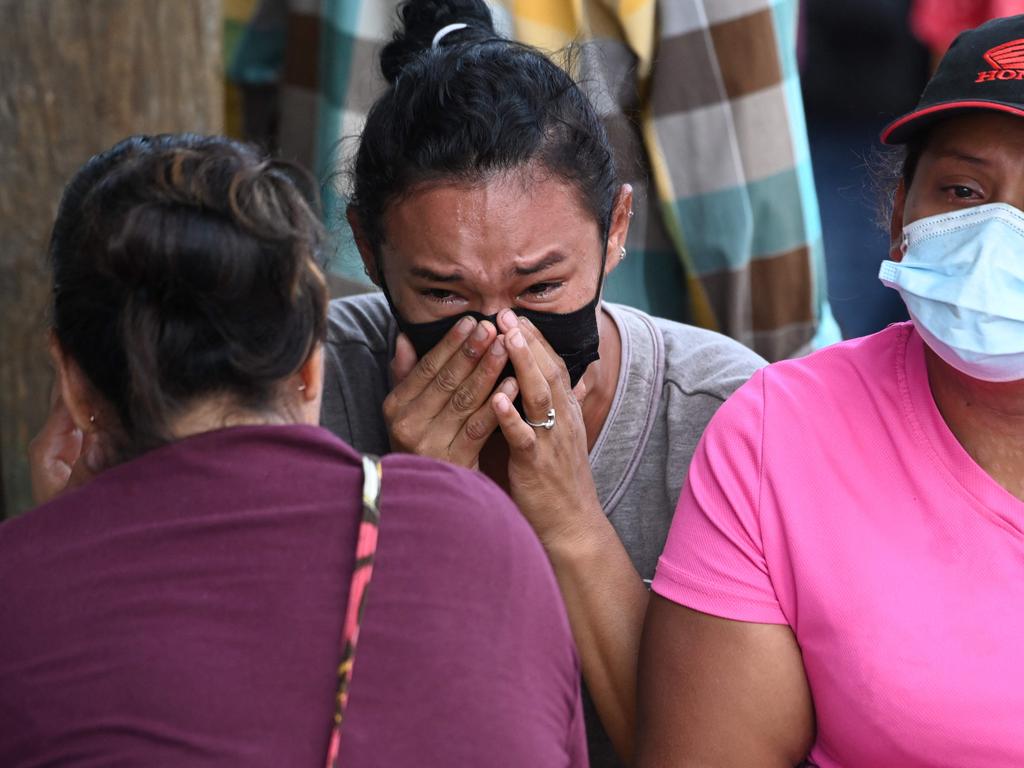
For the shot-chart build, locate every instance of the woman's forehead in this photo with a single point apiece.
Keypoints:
(505, 219)
(984, 135)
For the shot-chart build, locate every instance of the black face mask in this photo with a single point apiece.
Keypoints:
(572, 335)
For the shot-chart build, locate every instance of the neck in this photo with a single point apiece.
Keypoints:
(219, 413)
(602, 378)
(986, 418)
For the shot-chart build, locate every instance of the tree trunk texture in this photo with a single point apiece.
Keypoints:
(76, 76)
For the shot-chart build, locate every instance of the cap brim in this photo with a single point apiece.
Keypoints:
(902, 129)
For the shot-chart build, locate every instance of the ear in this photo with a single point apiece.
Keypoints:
(311, 374)
(363, 244)
(619, 229)
(310, 383)
(899, 200)
(75, 389)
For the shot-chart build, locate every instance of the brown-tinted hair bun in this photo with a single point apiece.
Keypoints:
(186, 266)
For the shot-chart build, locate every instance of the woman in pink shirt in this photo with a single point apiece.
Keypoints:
(844, 579)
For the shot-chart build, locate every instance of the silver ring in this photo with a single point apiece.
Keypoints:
(543, 424)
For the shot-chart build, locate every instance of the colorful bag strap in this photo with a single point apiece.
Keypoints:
(366, 549)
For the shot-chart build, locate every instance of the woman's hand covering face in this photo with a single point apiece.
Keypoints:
(439, 405)
(549, 469)
(445, 406)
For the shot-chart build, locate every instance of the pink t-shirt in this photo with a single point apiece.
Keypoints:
(828, 494)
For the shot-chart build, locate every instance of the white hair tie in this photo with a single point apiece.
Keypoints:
(445, 30)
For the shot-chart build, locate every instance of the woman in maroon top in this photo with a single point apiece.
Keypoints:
(180, 599)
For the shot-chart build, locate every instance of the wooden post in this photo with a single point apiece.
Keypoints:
(76, 76)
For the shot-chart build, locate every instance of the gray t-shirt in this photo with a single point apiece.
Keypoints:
(672, 379)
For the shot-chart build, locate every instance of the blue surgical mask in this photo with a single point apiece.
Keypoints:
(962, 279)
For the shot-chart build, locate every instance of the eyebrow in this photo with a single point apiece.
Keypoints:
(435, 277)
(521, 270)
(957, 154)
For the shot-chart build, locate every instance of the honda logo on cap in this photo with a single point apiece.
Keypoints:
(1007, 61)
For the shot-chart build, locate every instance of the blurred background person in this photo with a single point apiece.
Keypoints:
(937, 22)
(861, 66)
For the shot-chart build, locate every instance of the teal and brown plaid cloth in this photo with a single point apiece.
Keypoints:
(702, 102)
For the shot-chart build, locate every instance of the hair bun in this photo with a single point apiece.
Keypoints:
(183, 267)
(420, 21)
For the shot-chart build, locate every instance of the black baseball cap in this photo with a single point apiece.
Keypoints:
(983, 69)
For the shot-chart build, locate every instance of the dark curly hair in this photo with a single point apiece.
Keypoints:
(186, 266)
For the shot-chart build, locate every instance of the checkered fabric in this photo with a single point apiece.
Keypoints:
(323, 54)
(236, 14)
(714, 88)
(702, 102)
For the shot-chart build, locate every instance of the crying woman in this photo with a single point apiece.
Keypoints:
(486, 207)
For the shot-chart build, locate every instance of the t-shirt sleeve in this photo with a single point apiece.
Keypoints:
(714, 560)
(356, 357)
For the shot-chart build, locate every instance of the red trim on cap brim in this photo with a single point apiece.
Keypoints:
(912, 116)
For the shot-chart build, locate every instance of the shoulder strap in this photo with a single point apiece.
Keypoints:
(366, 549)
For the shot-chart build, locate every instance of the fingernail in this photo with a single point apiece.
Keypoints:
(498, 347)
(480, 333)
(516, 339)
(465, 325)
(509, 386)
(508, 317)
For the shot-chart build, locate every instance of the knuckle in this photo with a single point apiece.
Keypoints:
(552, 372)
(401, 433)
(526, 442)
(393, 409)
(562, 375)
(539, 402)
(558, 376)
(446, 380)
(427, 368)
(477, 429)
(463, 400)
